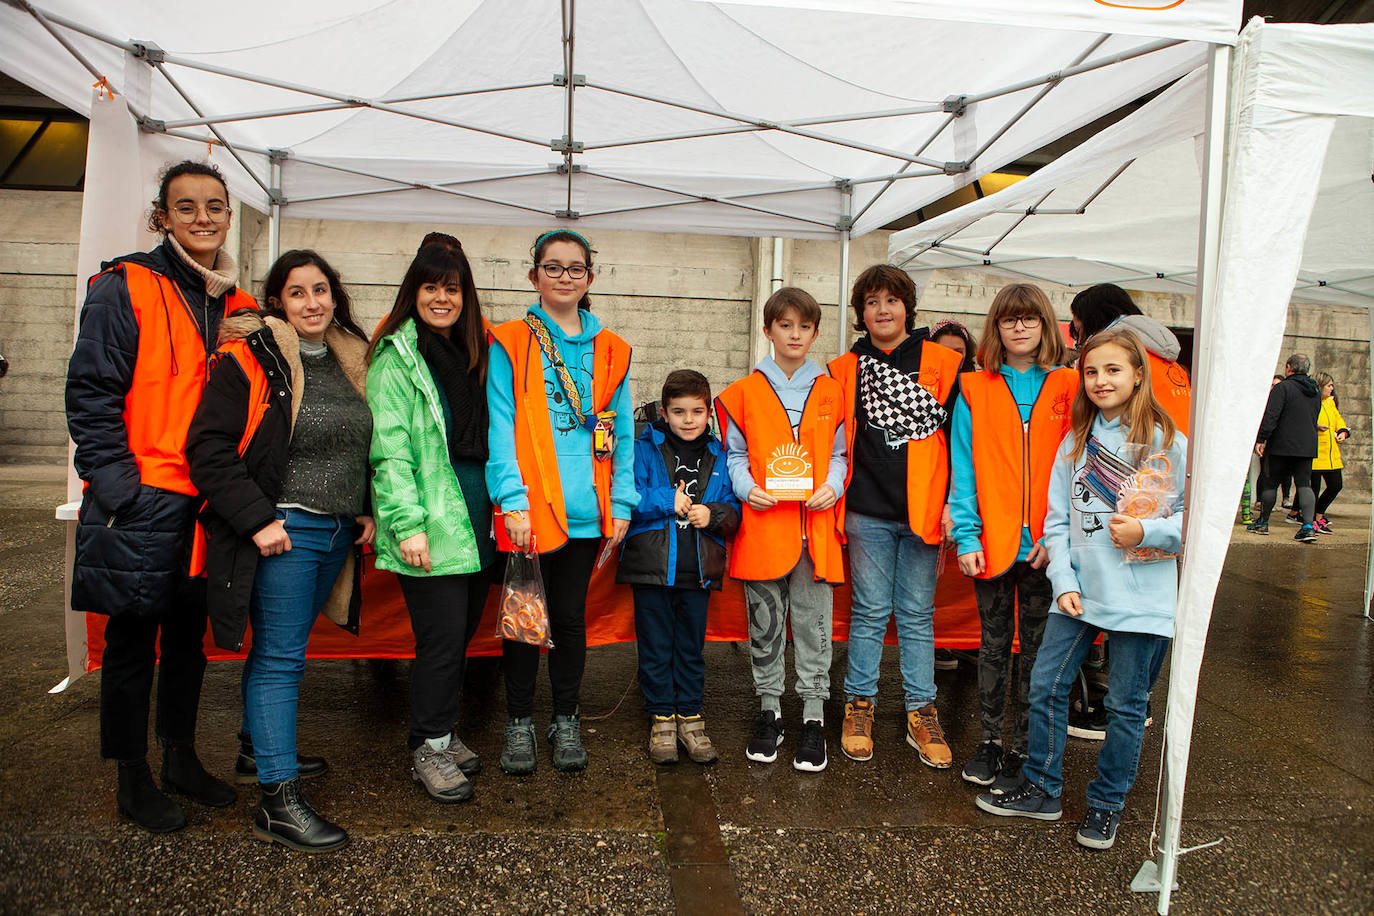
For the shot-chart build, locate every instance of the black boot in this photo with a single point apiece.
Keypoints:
(140, 799)
(182, 772)
(246, 766)
(284, 816)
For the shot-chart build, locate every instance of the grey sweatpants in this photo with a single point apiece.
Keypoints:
(809, 604)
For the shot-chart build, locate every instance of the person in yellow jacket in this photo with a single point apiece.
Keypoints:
(1326, 467)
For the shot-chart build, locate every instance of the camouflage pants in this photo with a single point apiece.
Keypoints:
(997, 613)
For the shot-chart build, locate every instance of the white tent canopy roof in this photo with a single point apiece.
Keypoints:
(1123, 208)
(667, 115)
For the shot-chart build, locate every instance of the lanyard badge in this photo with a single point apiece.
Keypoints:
(603, 434)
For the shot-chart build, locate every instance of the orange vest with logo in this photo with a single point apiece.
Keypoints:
(1012, 460)
(769, 543)
(1169, 382)
(927, 460)
(534, 449)
(169, 376)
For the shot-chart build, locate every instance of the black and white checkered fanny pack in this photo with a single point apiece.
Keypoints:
(894, 401)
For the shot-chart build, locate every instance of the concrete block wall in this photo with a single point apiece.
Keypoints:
(682, 301)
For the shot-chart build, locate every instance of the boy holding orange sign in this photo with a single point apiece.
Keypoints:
(784, 434)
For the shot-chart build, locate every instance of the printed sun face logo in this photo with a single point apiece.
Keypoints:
(1139, 5)
(1062, 404)
(789, 461)
(1177, 377)
(929, 379)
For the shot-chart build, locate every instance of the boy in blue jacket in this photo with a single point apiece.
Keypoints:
(674, 554)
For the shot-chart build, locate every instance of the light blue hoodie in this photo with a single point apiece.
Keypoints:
(1116, 595)
(572, 443)
(963, 493)
(792, 392)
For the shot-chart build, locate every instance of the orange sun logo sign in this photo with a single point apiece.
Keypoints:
(1158, 5)
(789, 473)
(1062, 404)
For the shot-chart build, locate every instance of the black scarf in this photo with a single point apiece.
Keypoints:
(447, 359)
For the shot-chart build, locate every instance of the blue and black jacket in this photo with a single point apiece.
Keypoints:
(649, 554)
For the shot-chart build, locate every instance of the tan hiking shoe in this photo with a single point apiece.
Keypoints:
(691, 734)
(663, 740)
(856, 735)
(924, 733)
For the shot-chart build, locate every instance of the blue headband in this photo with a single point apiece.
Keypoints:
(539, 241)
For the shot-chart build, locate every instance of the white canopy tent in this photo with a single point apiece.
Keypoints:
(823, 120)
(1123, 208)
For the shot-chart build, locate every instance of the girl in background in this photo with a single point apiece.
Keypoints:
(1326, 467)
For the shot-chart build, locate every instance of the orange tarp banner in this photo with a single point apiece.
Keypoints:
(385, 625)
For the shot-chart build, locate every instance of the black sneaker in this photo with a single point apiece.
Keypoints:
(1098, 830)
(1088, 722)
(945, 660)
(1026, 800)
(768, 734)
(1257, 527)
(982, 769)
(1307, 534)
(810, 756)
(1009, 776)
(1293, 518)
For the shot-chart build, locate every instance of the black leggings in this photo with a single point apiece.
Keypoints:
(566, 573)
(444, 613)
(1274, 468)
(1327, 494)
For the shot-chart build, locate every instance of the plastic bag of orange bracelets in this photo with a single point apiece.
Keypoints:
(524, 613)
(1148, 492)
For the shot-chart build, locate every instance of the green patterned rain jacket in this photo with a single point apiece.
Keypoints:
(413, 486)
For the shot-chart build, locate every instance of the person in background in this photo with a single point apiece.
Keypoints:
(1327, 466)
(148, 325)
(1287, 444)
(278, 448)
(949, 333)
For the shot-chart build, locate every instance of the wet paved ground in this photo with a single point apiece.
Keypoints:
(1282, 772)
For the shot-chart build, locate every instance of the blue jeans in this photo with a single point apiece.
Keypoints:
(892, 571)
(1136, 660)
(288, 593)
(670, 629)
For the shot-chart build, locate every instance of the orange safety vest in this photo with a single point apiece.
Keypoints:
(534, 449)
(1169, 382)
(169, 376)
(769, 543)
(1012, 472)
(927, 460)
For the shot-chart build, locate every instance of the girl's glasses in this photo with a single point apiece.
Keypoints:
(1008, 322)
(186, 212)
(554, 271)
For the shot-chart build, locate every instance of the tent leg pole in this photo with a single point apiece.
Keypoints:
(1369, 561)
(841, 339)
(274, 214)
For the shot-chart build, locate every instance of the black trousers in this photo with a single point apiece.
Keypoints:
(444, 614)
(566, 574)
(134, 646)
(1327, 486)
(1274, 468)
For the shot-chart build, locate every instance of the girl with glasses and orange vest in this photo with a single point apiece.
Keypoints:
(561, 473)
(278, 448)
(1008, 423)
(136, 374)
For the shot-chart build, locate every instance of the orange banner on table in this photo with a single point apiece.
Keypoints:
(385, 625)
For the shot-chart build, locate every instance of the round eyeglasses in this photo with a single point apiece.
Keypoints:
(1008, 322)
(217, 212)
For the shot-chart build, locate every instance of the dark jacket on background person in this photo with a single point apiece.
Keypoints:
(133, 537)
(1289, 427)
(649, 555)
(254, 390)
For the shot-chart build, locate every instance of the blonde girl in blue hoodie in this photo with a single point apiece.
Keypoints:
(1097, 590)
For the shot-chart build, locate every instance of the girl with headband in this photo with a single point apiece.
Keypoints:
(561, 474)
(1096, 591)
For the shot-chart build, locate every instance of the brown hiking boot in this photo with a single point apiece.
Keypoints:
(924, 733)
(691, 734)
(856, 735)
(663, 740)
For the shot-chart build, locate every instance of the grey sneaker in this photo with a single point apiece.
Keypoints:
(1098, 830)
(691, 734)
(439, 775)
(463, 756)
(565, 734)
(519, 755)
(663, 740)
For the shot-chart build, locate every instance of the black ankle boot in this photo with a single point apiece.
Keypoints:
(246, 766)
(182, 772)
(284, 816)
(140, 799)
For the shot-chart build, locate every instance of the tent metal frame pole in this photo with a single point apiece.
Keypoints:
(569, 85)
(438, 184)
(841, 337)
(693, 199)
(185, 97)
(902, 172)
(274, 211)
(1164, 869)
(1086, 67)
(47, 22)
(1369, 561)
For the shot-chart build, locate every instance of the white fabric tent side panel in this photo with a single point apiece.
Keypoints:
(111, 224)
(1271, 185)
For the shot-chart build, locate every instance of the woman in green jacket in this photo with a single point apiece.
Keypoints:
(426, 385)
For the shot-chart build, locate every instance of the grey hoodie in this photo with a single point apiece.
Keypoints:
(1158, 339)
